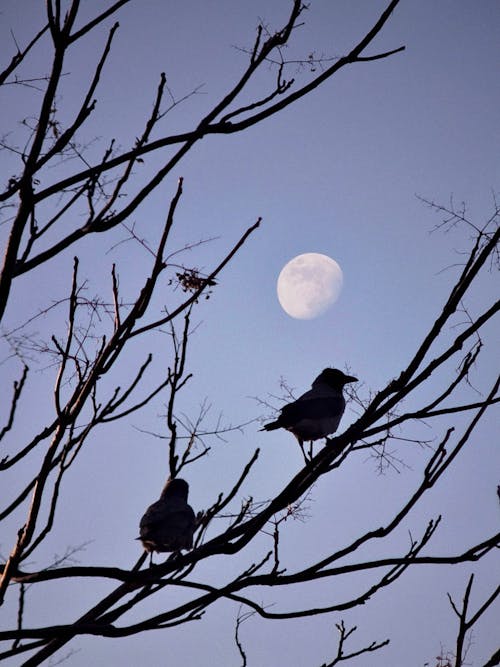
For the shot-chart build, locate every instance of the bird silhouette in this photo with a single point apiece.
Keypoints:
(169, 523)
(317, 413)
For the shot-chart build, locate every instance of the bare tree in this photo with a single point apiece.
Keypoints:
(101, 335)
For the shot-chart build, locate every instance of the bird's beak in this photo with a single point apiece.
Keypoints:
(350, 378)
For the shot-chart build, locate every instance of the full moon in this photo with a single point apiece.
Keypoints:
(308, 285)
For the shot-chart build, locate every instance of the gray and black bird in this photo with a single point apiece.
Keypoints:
(317, 413)
(169, 523)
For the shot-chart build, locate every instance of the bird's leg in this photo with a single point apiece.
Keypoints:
(301, 444)
(310, 450)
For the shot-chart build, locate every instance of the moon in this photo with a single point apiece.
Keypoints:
(308, 285)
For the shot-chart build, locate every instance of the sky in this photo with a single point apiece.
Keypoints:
(338, 173)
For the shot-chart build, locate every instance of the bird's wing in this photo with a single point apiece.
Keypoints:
(177, 515)
(153, 514)
(168, 526)
(313, 408)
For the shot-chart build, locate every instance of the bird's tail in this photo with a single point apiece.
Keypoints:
(271, 427)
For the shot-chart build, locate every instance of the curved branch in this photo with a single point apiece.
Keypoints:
(20, 55)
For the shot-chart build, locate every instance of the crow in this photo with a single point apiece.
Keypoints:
(169, 523)
(317, 413)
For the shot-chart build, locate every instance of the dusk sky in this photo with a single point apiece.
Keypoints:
(339, 173)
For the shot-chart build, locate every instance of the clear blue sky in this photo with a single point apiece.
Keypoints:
(337, 173)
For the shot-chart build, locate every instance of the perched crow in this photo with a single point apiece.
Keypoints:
(316, 414)
(168, 524)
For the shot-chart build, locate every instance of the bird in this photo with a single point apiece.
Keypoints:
(169, 523)
(317, 413)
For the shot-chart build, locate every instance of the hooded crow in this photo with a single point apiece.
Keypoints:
(317, 413)
(169, 523)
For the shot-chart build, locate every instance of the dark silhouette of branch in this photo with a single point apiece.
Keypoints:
(238, 643)
(473, 554)
(16, 393)
(20, 55)
(465, 622)
(344, 636)
(494, 660)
